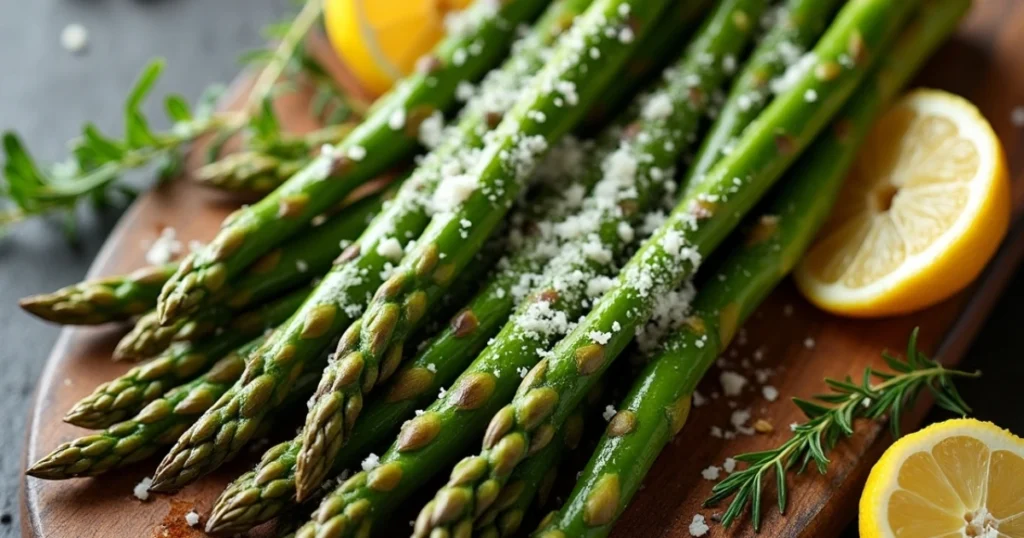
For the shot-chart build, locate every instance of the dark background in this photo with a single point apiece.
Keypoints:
(47, 93)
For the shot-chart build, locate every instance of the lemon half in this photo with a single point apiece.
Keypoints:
(924, 208)
(959, 478)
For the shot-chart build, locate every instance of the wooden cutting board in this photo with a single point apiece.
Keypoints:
(792, 344)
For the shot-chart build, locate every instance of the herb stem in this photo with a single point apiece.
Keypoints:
(285, 51)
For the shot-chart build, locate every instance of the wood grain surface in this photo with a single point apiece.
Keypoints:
(794, 345)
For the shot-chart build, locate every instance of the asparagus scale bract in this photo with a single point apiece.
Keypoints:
(122, 397)
(470, 207)
(382, 140)
(698, 224)
(340, 296)
(261, 494)
(641, 427)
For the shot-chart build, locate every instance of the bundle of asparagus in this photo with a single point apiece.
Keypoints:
(591, 265)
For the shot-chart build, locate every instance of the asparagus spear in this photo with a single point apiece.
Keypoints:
(796, 26)
(695, 227)
(340, 296)
(269, 489)
(281, 269)
(641, 428)
(119, 298)
(116, 400)
(472, 206)
(379, 142)
(157, 425)
(102, 300)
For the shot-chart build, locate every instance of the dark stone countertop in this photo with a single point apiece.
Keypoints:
(47, 93)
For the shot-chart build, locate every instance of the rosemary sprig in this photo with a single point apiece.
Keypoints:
(831, 418)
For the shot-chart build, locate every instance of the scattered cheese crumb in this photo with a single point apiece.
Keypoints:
(711, 473)
(390, 248)
(659, 107)
(770, 393)
(698, 527)
(1017, 116)
(141, 490)
(357, 153)
(371, 462)
(397, 119)
(732, 383)
(74, 38)
(609, 412)
(192, 518)
(698, 399)
(165, 248)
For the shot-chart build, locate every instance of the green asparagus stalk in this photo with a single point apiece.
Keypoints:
(259, 171)
(340, 297)
(698, 224)
(116, 400)
(281, 269)
(598, 234)
(102, 300)
(796, 26)
(155, 426)
(378, 143)
(118, 298)
(658, 49)
(269, 489)
(583, 63)
(641, 428)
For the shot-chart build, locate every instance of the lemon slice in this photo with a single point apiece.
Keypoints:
(924, 208)
(959, 478)
(380, 40)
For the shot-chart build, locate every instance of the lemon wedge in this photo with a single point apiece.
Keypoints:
(959, 478)
(924, 208)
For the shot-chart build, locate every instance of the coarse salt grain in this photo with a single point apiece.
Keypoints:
(809, 343)
(609, 412)
(729, 465)
(770, 393)
(192, 518)
(711, 473)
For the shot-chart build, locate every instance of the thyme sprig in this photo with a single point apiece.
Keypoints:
(831, 418)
